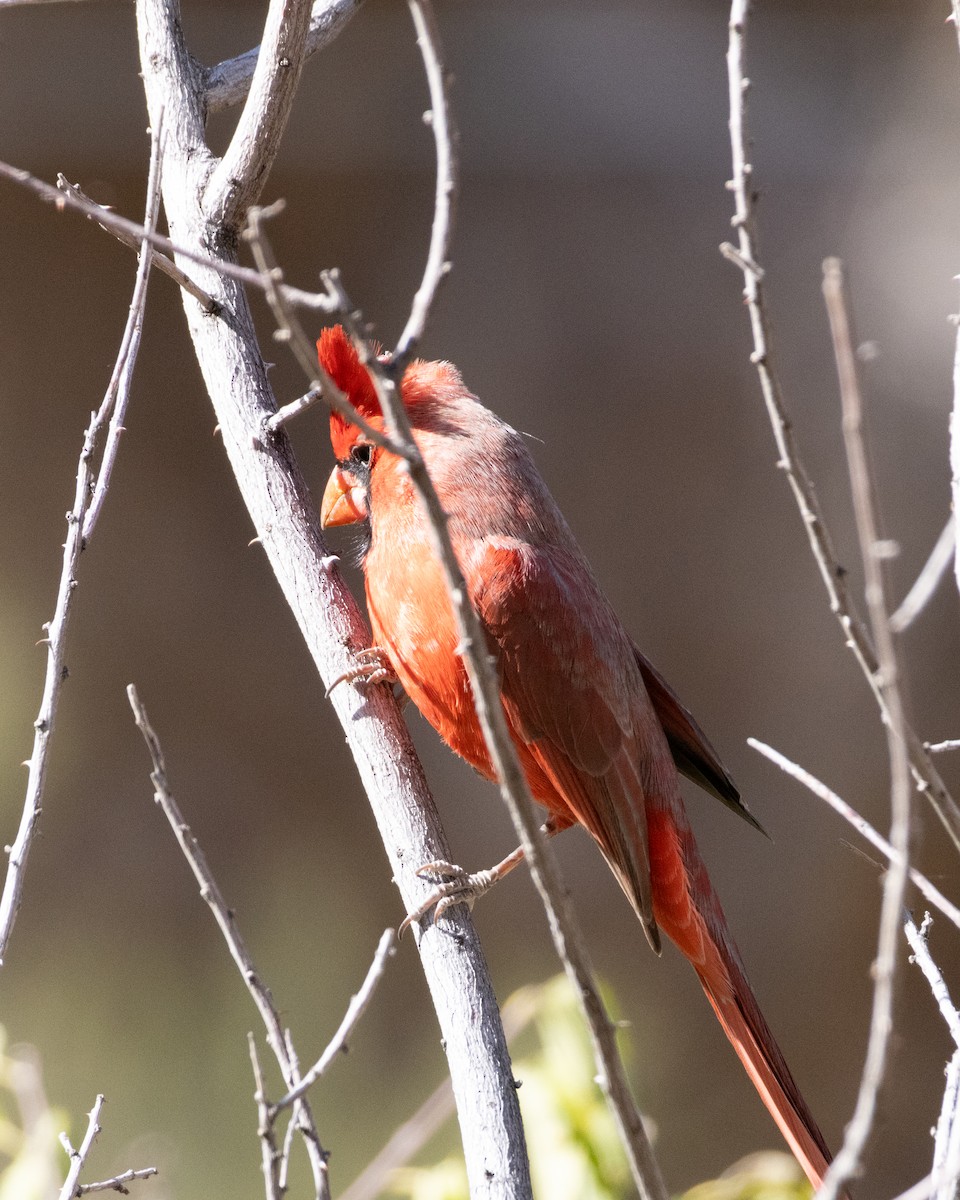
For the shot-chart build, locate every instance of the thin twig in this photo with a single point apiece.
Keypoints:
(117, 1183)
(269, 1155)
(81, 520)
(940, 747)
(485, 688)
(128, 231)
(355, 1010)
(932, 974)
(930, 893)
(224, 917)
(238, 176)
(228, 82)
(291, 331)
(946, 1145)
(445, 138)
(114, 406)
(847, 1161)
(160, 261)
(946, 1152)
(286, 414)
(927, 582)
(79, 1157)
(955, 414)
(855, 635)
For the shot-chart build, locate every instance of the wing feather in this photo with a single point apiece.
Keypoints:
(575, 698)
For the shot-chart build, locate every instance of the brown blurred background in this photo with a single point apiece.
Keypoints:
(590, 307)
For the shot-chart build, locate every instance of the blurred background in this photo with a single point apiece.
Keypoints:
(589, 306)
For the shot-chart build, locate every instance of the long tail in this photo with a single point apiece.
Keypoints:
(688, 911)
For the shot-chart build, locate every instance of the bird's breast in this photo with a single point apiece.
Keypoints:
(412, 620)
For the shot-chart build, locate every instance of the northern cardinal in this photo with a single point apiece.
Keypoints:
(600, 734)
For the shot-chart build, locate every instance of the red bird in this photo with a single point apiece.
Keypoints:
(600, 734)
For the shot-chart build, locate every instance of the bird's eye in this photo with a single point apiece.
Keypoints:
(361, 453)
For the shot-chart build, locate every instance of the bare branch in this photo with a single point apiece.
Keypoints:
(355, 1010)
(285, 414)
(484, 683)
(117, 1183)
(409, 1138)
(290, 331)
(228, 83)
(932, 974)
(946, 1153)
(445, 138)
(160, 261)
(238, 177)
(927, 582)
(955, 414)
(129, 231)
(224, 917)
(940, 747)
(81, 520)
(847, 1161)
(79, 1157)
(855, 635)
(287, 525)
(931, 893)
(114, 406)
(269, 1155)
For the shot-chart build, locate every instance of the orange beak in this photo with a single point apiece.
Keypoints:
(344, 500)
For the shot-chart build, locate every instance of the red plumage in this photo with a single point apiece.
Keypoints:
(600, 734)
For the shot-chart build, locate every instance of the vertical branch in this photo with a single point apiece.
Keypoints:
(747, 257)
(955, 414)
(847, 1162)
(238, 177)
(81, 520)
(445, 140)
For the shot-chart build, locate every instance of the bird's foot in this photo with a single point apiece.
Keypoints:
(372, 666)
(458, 887)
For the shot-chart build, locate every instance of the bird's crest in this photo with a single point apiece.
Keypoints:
(339, 358)
(424, 385)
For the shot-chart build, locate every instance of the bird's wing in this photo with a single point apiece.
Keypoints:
(574, 697)
(689, 745)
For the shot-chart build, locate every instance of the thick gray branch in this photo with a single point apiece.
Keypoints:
(238, 177)
(229, 82)
(285, 520)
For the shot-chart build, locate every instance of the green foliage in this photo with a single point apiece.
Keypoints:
(30, 1153)
(770, 1175)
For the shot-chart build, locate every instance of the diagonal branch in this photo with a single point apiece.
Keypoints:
(228, 83)
(927, 582)
(287, 525)
(238, 177)
(227, 924)
(160, 261)
(860, 823)
(130, 233)
(484, 684)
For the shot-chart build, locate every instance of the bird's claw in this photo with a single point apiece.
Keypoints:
(458, 887)
(372, 666)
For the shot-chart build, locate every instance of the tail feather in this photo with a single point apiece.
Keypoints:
(688, 911)
(756, 1048)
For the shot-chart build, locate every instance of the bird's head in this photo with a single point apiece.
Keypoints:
(345, 498)
(429, 391)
